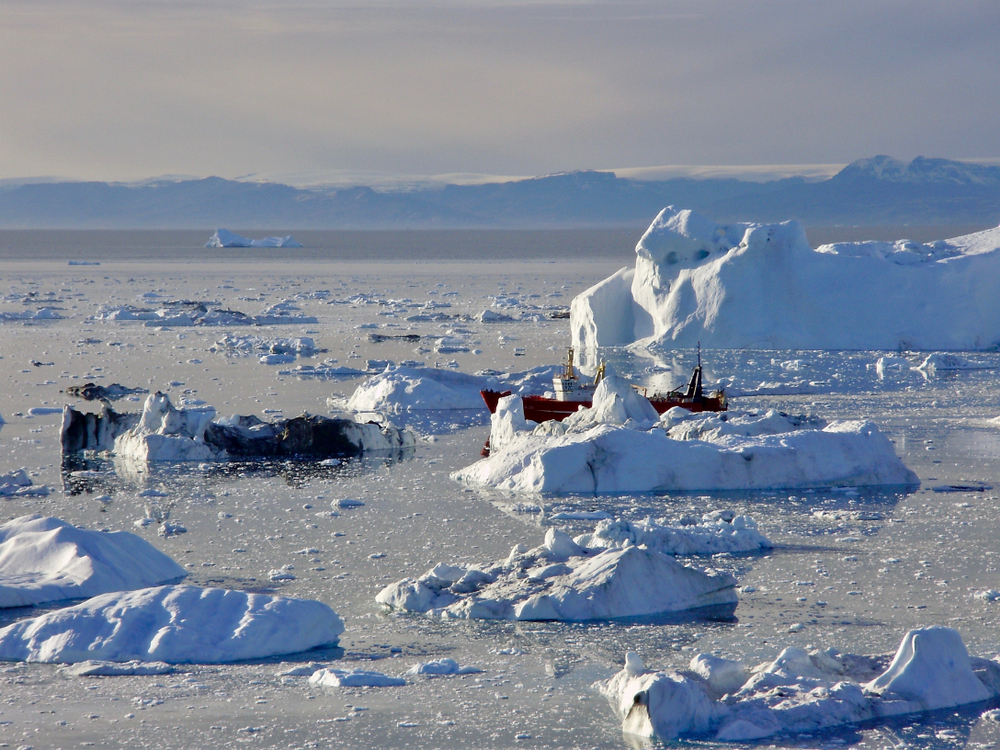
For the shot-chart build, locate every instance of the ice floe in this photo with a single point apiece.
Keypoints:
(94, 392)
(616, 446)
(226, 238)
(46, 559)
(560, 580)
(800, 691)
(165, 433)
(173, 624)
(354, 678)
(440, 667)
(763, 286)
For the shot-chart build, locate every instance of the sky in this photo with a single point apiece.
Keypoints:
(465, 90)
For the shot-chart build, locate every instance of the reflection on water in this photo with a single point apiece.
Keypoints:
(82, 474)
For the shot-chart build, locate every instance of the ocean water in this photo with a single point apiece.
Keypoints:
(905, 559)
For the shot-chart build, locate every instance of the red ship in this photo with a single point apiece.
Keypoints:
(571, 394)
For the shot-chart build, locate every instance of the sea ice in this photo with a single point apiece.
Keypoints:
(801, 691)
(225, 238)
(762, 286)
(616, 447)
(354, 678)
(440, 667)
(173, 624)
(561, 580)
(46, 559)
(19, 484)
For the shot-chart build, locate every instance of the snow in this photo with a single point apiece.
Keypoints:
(607, 449)
(800, 691)
(225, 238)
(45, 559)
(763, 286)
(173, 624)
(562, 581)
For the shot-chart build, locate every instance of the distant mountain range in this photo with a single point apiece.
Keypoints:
(868, 192)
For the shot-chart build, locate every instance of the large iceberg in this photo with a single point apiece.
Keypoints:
(615, 446)
(763, 286)
(560, 580)
(46, 559)
(225, 238)
(800, 691)
(173, 624)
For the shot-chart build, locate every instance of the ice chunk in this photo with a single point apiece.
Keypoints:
(354, 678)
(46, 559)
(173, 624)
(800, 691)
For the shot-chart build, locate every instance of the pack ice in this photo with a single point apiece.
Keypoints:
(560, 580)
(173, 624)
(620, 444)
(762, 286)
(46, 559)
(800, 691)
(226, 238)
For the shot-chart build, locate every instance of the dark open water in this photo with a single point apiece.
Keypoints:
(454, 244)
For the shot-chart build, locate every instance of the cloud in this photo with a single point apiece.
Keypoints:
(123, 90)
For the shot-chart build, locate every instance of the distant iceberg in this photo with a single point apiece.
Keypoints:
(763, 286)
(225, 238)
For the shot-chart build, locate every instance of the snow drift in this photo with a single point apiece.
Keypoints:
(173, 624)
(800, 691)
(46, 559)
(613, 447)
(762, 286)
(561, 580)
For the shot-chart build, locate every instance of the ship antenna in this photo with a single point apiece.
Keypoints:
(699, 354)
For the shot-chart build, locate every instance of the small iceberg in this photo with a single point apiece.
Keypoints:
(46, 559)
(800, 691)
(561, 580)
(173, 624)
(225, 238)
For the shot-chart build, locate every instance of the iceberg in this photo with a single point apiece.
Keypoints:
(762, 286)
(560, 580)
(800, 691)
(615, 446)
(173, 624)
(225, 238)
(46, 559)
(165, 433)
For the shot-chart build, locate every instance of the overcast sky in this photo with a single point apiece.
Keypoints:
(304, 90)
